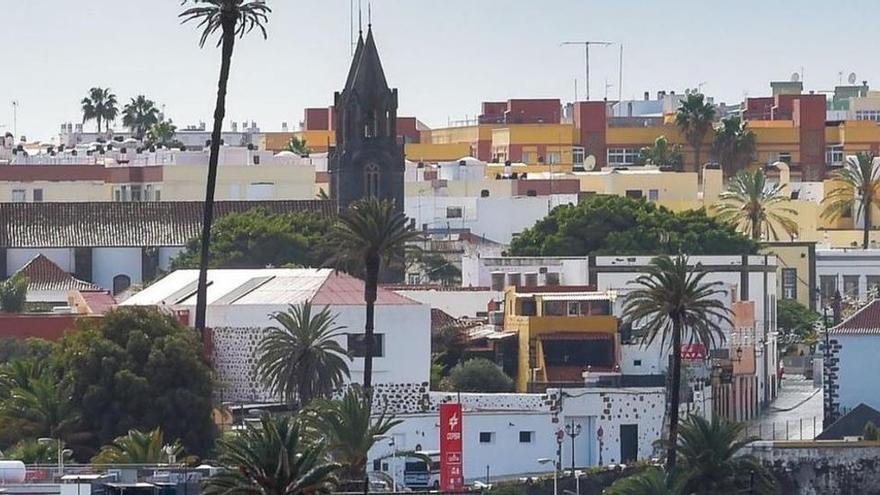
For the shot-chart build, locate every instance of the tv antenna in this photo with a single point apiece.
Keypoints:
(586, 45)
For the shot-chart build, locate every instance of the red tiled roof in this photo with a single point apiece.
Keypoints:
(99, 302)
(123, 224)
(865, 321)
(342, 289)
(43, 274)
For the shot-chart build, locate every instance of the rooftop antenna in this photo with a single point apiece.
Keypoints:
(360, 19)
(370, 15)
(586, 45)
(620, 75)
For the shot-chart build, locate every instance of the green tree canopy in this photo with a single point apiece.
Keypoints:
(13, 294)
(137, 369)
(619, 225)
(793, 318)
(478, 375)
(258, 238)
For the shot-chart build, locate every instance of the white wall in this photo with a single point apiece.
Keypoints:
(455, 303)
(18, 257)
(110, 262)
(858, 371)
(845, 262)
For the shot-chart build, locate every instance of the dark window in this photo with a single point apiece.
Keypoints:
(377, 465)
(486, 436)
(120, 283)
(634, 193)
(453, 212)
(526, 436)
(529, 308)
(371, 180)
(637, 362)
(579, 353)
(484, 193)
(552, 278)
(357, 348)
(531, 193)
(256, 159)
(38, 195)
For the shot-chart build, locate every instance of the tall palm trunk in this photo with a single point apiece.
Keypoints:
(697, 167)
(866, 228)
(675, 392)
(370, 289)
(228, 44)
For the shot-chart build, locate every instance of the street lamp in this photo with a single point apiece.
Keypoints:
(572, 430)
(545, 460)
(61, 452)
(393, 464)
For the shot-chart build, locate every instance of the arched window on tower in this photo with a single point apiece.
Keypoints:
(371, 180)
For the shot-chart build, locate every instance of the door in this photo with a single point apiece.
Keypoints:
(629, 443)
(580, 445)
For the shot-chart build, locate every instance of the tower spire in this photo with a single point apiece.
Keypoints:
(369, 15)
(360, 19)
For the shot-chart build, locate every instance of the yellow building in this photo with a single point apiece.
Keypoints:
(563, 333)
(795, 270)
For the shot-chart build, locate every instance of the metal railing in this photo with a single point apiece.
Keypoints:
(790, 429)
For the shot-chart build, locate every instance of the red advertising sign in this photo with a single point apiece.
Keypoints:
(451, 469)
(693, 352)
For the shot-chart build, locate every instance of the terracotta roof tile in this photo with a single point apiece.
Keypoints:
(44, 275)
(122, 224)
(865, 321)
(342, 289)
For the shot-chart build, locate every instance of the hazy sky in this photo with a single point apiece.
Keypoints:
(444, 56)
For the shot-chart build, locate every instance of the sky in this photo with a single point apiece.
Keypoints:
(445, 57)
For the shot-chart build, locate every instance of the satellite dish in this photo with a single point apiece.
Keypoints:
(851, 78)
(795, 77)
(590, 162)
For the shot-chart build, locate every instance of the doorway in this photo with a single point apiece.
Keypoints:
(629, 443)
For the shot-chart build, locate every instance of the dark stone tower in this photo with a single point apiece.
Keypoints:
(367, 160)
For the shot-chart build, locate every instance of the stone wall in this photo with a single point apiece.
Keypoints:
(823, 468)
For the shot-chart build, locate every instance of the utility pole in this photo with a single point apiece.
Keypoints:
(586, 45)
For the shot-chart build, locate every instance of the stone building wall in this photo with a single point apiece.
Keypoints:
(823, 468)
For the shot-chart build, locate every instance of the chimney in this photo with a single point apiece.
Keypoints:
(284, 127)
(647, 96)
(661, 95)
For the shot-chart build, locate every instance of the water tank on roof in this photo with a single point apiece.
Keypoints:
(12, 472)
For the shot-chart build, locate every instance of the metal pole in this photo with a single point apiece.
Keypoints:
(587, 58)
(555, 483)
(487, 475)
(620, 76)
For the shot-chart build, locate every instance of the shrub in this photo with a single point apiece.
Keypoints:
(478, 375)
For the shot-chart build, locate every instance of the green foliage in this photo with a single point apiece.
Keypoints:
(857, 192)
(694, 118)
(734, 145)
(162, 134)
(12, 348)
(624, 226)
(258, 238)
(99, 105)
(30, 451)
(298, 146)
(793, 318)
(13, 294)
(273, 458)
(436, 375)
(756, 208)
(138, 369)
(350, 430)
(649, 482)
(301, 359)
(661, 154)
(138, 447)
(478, 375)
(448, 346)
(871, 433)
(436, 267)
(712, 461)
(139, 115)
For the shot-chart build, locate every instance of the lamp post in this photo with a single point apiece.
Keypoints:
(545, 460)
(572, 430)
(61, 452)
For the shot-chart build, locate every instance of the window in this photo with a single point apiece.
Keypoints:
(497, 281)
(851, 285)
(256, 159)
(453, 212)
(578, 155)
(38, 195)
(637, 362)
(827, 287)
(873, 286)
(157, 196)
(574, 308)
(531, 279)
(19, 195)
(357, 348)
(622, 156)
(531, 193)
(552, 278)
(529, 308)
(371, 180)
(834, 154)
(484, 193)
(121, 283)
(513, 279)
(136, 193)
(653, 194)
(868, 115)
(789, 283)
(634, 193)
(527, 157)
(554, 157)
(526, 436)
(784, 157)
(487, 437)
(117, 194)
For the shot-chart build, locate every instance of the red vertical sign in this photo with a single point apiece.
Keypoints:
(451, 469)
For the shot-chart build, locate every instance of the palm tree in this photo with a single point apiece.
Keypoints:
(272, 458)
(351, 428)
(298, 146)
(652, 481)
(755, 208)
(301, 358)
(858, 189)
(230, 18)
(712, 461)
(161, 133)
(99, 105)
(369, 234)
(669, 300)
(31, 451)
(40, 408)
(694, 119)
(139, 115)
(661, 154)
(138, 447)
(734, 145)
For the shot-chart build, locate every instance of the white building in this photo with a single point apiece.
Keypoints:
(852, 272)
(241, 302)
(742, 278)
(854, 363)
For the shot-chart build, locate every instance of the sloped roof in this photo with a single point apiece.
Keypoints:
(851, 424)
(366, 74)
(865, 321)
(123, 224)
(268, 286)
(44, 275)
